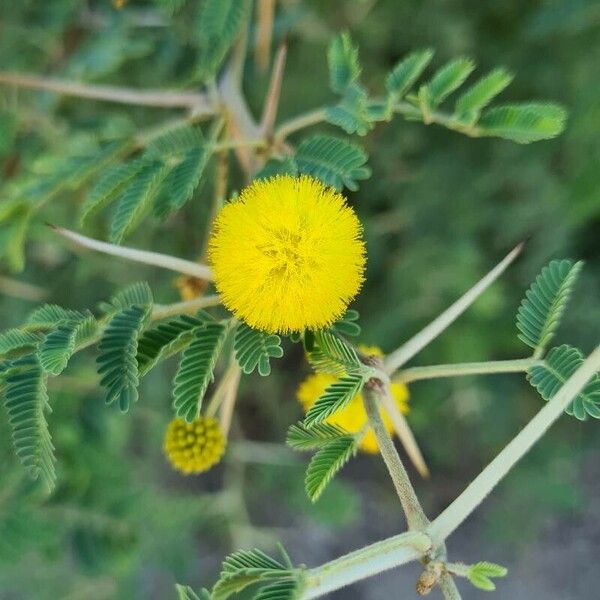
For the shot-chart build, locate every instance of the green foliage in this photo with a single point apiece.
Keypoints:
(245, 568)
(13, 340)
(523, 123)
(218, 24)
(404, 75)
(303, 438)
(109, 186)
(166, 339)
(342, 58)
(254, 349)
(560, 363)
(352, 113)
(333, 160)
(136, 200)
(117, 350)
(49, 316)
(59, 345)
(545, 301)
(478, 96)
(326, 463)
(26, 402)
(336, 396)
(348, 325)
(135, 294)
(286, 589)
(332, 355)
(445, 80)
(184, 592)
(480, 575)
(196, 369)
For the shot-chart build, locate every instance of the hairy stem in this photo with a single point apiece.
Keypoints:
(448, 587)
(404, 433)
(300, 122)
(520, 365)
(487, 480)
(396, 359)
(415, 517)
(161, 311)
(370, 560)
(158, 98)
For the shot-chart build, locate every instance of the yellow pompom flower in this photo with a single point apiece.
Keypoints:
(353, 417)
(287, 255)
(194, 447)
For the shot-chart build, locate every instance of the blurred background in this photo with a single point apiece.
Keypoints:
(439, 211)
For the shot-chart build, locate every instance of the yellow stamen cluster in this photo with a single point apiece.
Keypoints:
(353, 417)
(194, 447)
(287, 255)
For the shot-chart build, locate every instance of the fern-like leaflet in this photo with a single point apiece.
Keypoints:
(333, 160)
(327, 462)
(558, 366)
(303, 438)
(16, 340)
(117, 362)
(26, 402)
(545, 301)
(331, 354)
(196, 369)
(254, 349)
(336, 396)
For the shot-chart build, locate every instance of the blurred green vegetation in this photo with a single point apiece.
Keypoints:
(439, 211)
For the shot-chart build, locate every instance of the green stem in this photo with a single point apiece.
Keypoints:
(415, 516)
(520, 365)
(448, 587)
(487, 480)
(370, 560)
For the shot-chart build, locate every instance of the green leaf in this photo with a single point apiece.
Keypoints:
(348, 325)
(336, 396)
(447, 79)
(184, 592)
(332, 355)
(117, 363)
(218, 25)
(274, 167)
(479, 575)
(26, 402)
(286, 589)
(136, 200)
(59, 345)
(545, 301)
(244, 568)
(49, 316)
(558, 366)
(108, 187)
(135, 294)
(325, 464)
(478, 96)
(404, 75)
(335, 161)
(523, 123)
(303, 438)
(166, 339)
(255, 349)
(342, 58)
(16, 340)
(196, 370)
(181, 182)
(352, 113)
(174, 144)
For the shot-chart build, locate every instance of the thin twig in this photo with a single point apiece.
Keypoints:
(156, 259)
(300, 122)
(161, 311)
(108, 93)
(487, 480)
(396, 359)
(272, 100)
(415, 516)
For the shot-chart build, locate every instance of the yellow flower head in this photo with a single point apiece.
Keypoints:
(287, 255)
(353, 417)
(194, 447)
